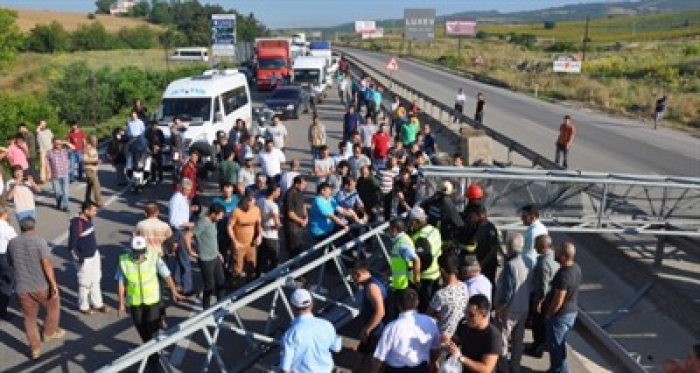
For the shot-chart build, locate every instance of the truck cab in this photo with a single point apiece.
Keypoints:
(312, 71)
(273, 58)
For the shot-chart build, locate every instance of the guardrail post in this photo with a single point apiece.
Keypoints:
(659, 253)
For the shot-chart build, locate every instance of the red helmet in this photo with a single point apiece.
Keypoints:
(474, 191)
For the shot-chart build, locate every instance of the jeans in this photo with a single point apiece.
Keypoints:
(119, 170)
(19, 215)
(61, 191)
(562, 149)
(76, 165)
(557, 328)
(180, 264)
(29, 304)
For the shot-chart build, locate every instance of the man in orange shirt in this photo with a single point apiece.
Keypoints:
(245, 230)
(566, 137)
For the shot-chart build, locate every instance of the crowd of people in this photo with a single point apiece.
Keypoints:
(445, 303)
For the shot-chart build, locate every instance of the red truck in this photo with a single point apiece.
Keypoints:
(273, 56)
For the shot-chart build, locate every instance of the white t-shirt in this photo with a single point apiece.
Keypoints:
(268, 210)
(23, 198)
(277, 133)
(461, 98)
(6, 234)
(366, 132)
(479, 285)
(287, 180)
(246, 177)
(324, 165)
(271, 163)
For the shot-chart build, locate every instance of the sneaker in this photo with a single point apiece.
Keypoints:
(60, 333)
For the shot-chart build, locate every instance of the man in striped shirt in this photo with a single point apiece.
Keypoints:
(386, 183)
(60, 168)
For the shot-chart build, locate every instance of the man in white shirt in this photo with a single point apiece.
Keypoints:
(287, 178)
(411, 342)
(530, 216)
(271, 160)
(460, 99)
(6, 279)
(277, 132)
(324, 165)
(475, 281)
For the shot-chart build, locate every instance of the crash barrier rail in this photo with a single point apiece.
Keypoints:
(611, 205)
(225, 315)
(429, 105)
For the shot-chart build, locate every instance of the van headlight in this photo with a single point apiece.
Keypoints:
(290, 107)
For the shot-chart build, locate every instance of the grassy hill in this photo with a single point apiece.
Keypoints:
(609, 30)
(27, 19)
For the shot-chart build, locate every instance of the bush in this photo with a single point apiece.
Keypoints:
(692, 50)
(482, 35)
(93, 37)
(450, 61)
(550, 25)
(49, 38)
(141, 37)
(10, 36)
(91, 16)
(526, 40)
(25, 108)
(562, 46)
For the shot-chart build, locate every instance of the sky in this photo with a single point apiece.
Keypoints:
(320, 13)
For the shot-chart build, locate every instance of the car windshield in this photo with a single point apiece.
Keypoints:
(284, 94)
(198, 109)
(306, 76)
(271, 63)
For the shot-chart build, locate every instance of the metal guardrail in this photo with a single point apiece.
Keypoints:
(272, 283)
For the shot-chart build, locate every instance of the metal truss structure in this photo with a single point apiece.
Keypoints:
(224, 331)
(584, 202)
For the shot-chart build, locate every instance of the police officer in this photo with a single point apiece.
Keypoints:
(405, 264)
(137, 276)
(442, 212)
(428, 242)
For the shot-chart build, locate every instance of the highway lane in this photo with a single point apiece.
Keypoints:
(94, 341)
(603, 142)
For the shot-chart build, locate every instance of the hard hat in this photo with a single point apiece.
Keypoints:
(474, 191)
(138, 243)
(446, 187)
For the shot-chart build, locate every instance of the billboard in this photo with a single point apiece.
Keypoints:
(460, 27)
(420, 24)
(365, 26)
(567, 64)
(376, 34)
(223, 35)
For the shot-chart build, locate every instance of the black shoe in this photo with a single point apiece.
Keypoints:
(534, 351)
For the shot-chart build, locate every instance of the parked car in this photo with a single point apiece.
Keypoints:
(288, 101)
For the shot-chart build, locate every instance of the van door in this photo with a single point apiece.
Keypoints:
(219, 118)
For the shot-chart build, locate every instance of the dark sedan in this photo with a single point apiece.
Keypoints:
(288, 101)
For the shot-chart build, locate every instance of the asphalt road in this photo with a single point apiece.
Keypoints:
(603, 143)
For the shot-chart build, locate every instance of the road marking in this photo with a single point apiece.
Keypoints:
(60, 239)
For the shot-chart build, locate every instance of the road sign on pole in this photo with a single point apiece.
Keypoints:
(392, 65)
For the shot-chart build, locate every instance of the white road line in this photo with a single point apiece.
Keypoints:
(63, 237)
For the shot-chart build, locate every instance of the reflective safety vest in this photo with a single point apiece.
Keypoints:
(432, 234)
(400, 268)
(142, 286)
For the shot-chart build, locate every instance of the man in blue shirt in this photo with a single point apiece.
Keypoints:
(179, 209)
(351, 123)
(308, 344)
(323, 220)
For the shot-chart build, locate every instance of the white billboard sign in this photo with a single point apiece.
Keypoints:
(460, 27)
(365, 26)
(567, 64)
(223, 35)
(376, 34)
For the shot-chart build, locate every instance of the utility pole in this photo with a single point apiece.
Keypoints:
(585, 41)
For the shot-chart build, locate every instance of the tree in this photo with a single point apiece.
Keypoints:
(160, 13)
(11, 38)
(49, 38)
(141, 9)
(141, 37)
(80, 95)
(103, 6)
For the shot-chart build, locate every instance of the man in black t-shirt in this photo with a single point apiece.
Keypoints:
(488, 242)
(295, 216)
(477, 344)
(561, 305)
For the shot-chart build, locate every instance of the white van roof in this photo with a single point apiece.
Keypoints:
(309, 62)
(211, 83)
(192, 49)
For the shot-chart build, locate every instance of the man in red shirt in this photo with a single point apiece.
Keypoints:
(76, 137)
(380, 147)
(189, 171)
(567, 131)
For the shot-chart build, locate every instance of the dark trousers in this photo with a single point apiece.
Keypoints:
(426, 292)
(388, 200)
(539, 328)
(268, 255)
(32, 170)
(293, 238)
(4, 302)
(479, 116)
(562, 149)
(459, 109)
(423, 368)
(213, 280)
(147, 322)
(157, 167)
(180, 264)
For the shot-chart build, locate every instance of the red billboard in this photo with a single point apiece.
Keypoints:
(460, 27)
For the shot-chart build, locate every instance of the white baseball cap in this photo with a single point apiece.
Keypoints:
(417, 213)
(138, 243)
(301, 298)
(447, 187)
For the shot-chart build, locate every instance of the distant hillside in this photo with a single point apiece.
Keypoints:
(563, 13)
(27, 19)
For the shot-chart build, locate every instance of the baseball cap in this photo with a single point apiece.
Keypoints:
(138, 243)
(301, 298)
(417, 213)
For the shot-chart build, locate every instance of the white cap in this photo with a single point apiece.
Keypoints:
(447, 187)
(301, 298)
(138, 243)
(417, 213)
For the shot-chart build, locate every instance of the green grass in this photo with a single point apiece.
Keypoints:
(609, 30)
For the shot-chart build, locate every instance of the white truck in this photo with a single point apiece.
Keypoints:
(312, 71)
(205, 104)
